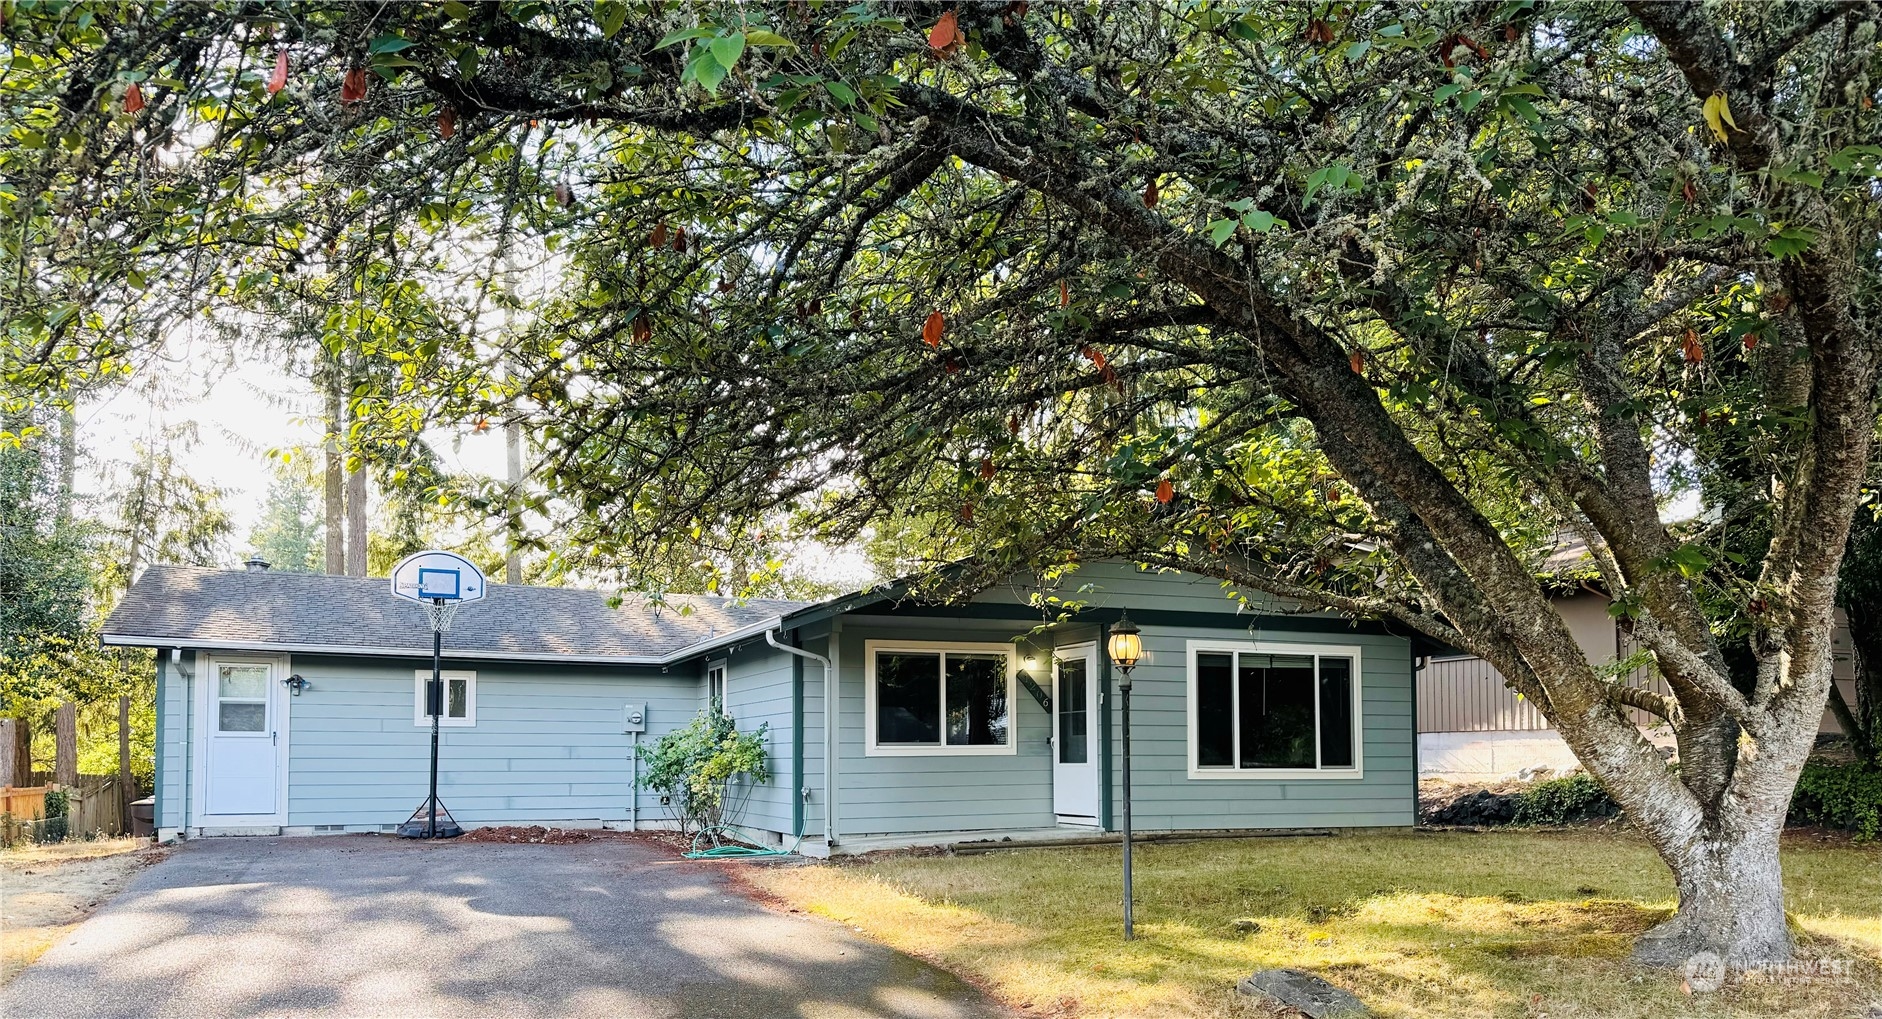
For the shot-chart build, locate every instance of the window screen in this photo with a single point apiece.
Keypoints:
(1215, 710)
(977, 709)
(908, 698)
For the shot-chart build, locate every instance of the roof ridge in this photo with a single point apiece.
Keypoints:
(330, 577)
(173, 605)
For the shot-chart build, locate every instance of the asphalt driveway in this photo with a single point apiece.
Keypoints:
(363, 925)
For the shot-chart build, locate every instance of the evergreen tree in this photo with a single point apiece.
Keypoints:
(290, 534)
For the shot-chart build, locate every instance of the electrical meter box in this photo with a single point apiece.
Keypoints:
(634, 718)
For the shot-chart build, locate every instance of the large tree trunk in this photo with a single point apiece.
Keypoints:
(65, 745)
(10, 771)
(513, 555)
(22, 750)
(125, 791)
(356, 522)
(355, 496)
(68, 465)
(1731, 898)
(336, 473)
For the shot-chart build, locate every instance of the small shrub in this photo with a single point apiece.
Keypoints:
(1845, 796)
(58, 803)
(1563, 801)
(695, 766)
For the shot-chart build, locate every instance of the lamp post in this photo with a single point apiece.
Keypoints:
(1126, 647)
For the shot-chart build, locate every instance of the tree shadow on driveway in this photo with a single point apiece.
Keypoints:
(361, 925)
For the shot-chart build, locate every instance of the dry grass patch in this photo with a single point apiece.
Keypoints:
(46, 891)
(1444, 926)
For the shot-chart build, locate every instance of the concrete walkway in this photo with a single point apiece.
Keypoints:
(364, 925)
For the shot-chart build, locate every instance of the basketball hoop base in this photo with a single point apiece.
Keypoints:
(420, 821)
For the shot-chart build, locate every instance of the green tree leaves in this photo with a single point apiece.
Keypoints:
(716, 51)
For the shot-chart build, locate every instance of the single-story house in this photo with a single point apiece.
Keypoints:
(293, 703)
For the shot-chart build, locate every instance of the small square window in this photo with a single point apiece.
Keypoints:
(460, 698)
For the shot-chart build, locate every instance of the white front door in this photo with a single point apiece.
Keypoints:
(243, 739)
(1075, 734)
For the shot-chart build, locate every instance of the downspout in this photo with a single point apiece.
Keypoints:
(1418, 665)
(797, 737)
(799, 793)
(1104, 731)
(191, 733)
(156, 779)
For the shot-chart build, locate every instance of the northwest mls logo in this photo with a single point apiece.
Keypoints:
(1705, 972)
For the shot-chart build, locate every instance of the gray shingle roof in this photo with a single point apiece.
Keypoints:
(190, 606)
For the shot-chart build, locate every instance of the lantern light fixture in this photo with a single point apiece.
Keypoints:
(1126, 647)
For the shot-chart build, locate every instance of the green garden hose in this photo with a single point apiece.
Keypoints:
(725, 842)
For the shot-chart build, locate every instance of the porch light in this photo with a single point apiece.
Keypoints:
(1127, 648)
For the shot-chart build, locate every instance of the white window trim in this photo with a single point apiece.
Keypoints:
(420, 676)
(872, 748)
(1357, 771)
(725, 684)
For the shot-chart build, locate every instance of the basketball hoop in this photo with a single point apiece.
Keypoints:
(440, 612)
(440, 582)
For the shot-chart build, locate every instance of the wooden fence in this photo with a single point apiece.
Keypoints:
(24, 801)
(94, 806)
(97, 806)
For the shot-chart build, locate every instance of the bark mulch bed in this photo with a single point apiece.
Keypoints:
(538, 835)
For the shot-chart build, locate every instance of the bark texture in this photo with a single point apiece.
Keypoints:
(356, 522)
(65, 744)
(334, 490)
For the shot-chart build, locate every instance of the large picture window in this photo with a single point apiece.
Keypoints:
(1283, 710)
(933, 698)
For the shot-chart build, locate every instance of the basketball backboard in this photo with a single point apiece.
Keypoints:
(433, 575)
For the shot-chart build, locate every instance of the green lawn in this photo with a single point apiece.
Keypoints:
(1435, 925)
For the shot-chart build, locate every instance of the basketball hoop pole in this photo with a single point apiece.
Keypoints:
(440, 583)
(434, 702)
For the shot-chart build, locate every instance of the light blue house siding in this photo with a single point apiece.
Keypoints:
(548, 744)
(885, 795)
(173, 726)
(1164, 796)
(1176, 608)
(760, 691)
(905, 795)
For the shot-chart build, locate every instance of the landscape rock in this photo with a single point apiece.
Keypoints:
(1312, 996)
(1246, 925)
(1478, 807)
